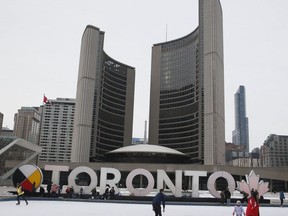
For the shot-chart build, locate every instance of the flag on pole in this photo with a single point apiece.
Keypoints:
(46, 101)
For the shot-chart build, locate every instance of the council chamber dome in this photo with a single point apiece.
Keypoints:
(146, 153)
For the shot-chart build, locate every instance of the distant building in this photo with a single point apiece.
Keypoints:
(57, 130)
(187, 90)
(236, 156)
(274, 152)
(27, 124)
(137, 140)
(1, 121)
(240, 135)
(104, 101)
(6, 132)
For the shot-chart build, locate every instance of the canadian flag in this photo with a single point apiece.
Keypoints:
(46, 101)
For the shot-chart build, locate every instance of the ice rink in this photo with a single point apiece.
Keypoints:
(72, 208)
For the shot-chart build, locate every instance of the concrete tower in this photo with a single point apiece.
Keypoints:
(104, 101)
(187, 90)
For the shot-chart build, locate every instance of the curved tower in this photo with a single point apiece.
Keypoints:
(187, 90)
(104, 101)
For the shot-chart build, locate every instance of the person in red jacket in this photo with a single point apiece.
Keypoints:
(253, 204)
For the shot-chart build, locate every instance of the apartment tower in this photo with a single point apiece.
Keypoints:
(57, 119)
(187, 90)
(104, 101)
(27, 124)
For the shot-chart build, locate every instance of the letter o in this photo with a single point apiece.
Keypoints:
(137, 191)
(211, 182)
(83, 169)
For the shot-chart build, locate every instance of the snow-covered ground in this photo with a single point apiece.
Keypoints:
(55, 208)
(74, 208)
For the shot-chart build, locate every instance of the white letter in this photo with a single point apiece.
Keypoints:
(56, 172)
(138, 191)
(163, 177)
(212, 179)
(195, 180)
(77, 171)
(111, 182)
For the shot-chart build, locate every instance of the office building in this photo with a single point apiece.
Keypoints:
(27, 124)
(274, 152)
(104, 101)
(57, 118)
(241, 132)
(187, 90)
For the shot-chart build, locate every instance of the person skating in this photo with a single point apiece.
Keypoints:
(227, 196)
(20, 193)
(281, 197)
(238, 209)
(157, 200)
(253, 204)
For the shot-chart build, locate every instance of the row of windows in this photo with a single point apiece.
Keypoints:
(116, 80)
(182, 42)
(175, 135)
(178, 140)
(187, 120)
(177, 104)
(180, 111)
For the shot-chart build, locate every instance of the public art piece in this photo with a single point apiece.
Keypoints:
(28, 176)
(252, 182)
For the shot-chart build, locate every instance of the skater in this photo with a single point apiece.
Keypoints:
(112, 193)
(253, 204)
(281, 197)
(227, 196)
(222, 198)
(20, 193)
(238, 209)
(158, 199)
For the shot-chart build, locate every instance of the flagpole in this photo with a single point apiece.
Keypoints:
(40, 125)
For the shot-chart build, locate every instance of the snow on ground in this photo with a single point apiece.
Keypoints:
(71, 208)
(74, 208)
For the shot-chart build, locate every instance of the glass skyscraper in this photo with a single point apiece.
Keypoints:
(240, 136)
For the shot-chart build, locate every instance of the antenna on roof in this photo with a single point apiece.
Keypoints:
(166, 31)
(145, 133)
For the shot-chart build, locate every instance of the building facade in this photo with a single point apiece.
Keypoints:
(1, 121)
(274, 152)
(240, 136)
(104, 101)
(57, 119)
(187, 90)
(27, 124)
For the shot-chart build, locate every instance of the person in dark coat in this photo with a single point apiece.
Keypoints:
(112, 193)
(49, 185)
(156, 203)
(227, 196)
(281, 197)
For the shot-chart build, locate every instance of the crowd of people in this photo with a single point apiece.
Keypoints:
(252, 209)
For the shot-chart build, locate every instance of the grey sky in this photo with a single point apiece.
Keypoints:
(40, 47)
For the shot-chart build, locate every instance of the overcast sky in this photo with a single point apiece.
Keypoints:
(40, 46)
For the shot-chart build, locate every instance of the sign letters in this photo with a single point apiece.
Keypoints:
(162, 177)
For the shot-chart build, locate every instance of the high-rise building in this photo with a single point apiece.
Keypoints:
(57, 119)
(187, 90)
(241, 132)
(274, 152)
(104, 101)
(1, 121)
(27, 124)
